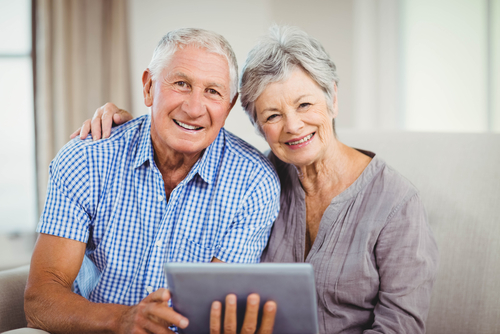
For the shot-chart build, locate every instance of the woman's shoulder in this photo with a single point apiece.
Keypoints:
(385, 185)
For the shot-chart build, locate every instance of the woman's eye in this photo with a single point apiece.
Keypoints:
(304, 105)
(272, 117)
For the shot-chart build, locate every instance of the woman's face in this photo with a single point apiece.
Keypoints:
(295, 120)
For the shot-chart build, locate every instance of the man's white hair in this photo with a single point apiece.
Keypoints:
(201, 38)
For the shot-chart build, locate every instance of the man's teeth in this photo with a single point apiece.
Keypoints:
(301, 141)
(187, 126)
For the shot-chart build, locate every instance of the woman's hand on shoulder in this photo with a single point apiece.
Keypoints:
(100, 125)
(251, 315)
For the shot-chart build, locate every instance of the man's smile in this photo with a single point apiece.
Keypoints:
(187, 126)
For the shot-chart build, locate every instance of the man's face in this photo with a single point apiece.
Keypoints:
(190, 101)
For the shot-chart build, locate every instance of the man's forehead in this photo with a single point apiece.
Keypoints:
(191, 62)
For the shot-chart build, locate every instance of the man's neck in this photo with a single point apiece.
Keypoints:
(173, 166)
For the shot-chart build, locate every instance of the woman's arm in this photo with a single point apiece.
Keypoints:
(407, 261)
(103, 120)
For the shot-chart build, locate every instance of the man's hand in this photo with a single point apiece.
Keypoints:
(52, 306)
(102, 122)
(251, 315)
(152, 315)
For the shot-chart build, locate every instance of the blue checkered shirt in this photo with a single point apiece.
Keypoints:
(110, 195)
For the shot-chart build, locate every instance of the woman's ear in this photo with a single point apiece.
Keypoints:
(335, 107)
(147, 87)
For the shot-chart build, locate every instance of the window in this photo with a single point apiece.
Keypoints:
(17, 145)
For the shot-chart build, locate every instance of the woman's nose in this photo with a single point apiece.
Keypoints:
(293, 123)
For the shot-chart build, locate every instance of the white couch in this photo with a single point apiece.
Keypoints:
(459, 179)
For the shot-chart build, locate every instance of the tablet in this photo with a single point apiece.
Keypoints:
(194, 286)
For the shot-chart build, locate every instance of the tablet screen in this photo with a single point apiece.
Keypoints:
(195, 286)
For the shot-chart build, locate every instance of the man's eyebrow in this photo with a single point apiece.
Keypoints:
(178, 75)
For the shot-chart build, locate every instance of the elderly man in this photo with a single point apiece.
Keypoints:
(173, 186)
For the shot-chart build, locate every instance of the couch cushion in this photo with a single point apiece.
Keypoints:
(12, 284)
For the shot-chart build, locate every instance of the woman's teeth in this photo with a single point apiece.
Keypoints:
(301, 141)
(187, 126)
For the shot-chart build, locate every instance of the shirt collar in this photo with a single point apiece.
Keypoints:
(145, 149)
(206, 166)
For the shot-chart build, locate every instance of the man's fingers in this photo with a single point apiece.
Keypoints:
(268, 316)
(251, 314)
(230, 315)
(153, 327)
(164, 315)
(158, 296)
(158, 308)
(215, 317)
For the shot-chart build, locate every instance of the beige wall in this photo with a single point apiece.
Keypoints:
(403, 64)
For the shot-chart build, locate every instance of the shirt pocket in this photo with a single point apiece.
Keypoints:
(190, 251)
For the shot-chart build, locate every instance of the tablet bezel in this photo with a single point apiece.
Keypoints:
(194, 286)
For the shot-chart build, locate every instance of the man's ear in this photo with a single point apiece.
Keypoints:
(147, 87)
(233, 102)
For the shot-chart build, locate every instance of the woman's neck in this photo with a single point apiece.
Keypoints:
(339, 167)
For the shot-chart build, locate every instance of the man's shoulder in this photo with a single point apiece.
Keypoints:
(76, 152)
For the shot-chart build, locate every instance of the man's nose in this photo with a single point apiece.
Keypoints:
(194, 106)
(293, 123)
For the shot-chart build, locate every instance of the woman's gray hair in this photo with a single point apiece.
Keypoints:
(200, 38)
(274, 58)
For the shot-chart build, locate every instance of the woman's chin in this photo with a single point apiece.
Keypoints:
(298, 158)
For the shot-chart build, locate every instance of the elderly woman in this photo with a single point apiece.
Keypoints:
(355, 219)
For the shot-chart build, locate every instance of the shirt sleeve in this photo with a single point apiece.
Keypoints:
(407, 260)
(65, 214)
(249, 232)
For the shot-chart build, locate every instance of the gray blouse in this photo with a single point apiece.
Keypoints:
(374, 257)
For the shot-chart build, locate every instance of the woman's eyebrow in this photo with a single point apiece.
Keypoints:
(300, 97)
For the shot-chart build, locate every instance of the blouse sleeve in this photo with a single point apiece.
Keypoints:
(407, 259)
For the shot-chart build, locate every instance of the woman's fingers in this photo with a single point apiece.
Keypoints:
(268, 316)
(251, 314)
(74, 134)
(215, 317)
(230, 315)
(101, 123)
(95, 124)
(122, 116)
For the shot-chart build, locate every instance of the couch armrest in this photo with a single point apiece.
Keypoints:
(12, 284)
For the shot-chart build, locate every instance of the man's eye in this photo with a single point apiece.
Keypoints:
(213, 91)
(181, 84)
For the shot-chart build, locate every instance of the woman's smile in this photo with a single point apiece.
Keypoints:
(301, 142)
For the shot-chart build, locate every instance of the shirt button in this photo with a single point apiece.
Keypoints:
(158, 243)
(160, 198)
(149, 289)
